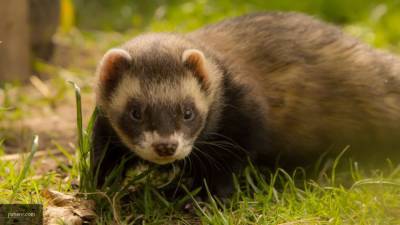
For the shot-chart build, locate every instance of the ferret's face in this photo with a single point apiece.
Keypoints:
(159, 121)
(157, 106)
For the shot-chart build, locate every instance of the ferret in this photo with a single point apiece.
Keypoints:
(268, 88)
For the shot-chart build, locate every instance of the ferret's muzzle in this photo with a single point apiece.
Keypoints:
(166, 148)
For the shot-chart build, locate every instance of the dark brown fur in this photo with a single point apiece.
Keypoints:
(317, 86)
(293, 88)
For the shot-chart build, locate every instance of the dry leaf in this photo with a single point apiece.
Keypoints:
(69, 209)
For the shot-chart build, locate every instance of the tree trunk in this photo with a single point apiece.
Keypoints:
(14, 37)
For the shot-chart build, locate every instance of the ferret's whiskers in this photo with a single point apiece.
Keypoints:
(217, 164)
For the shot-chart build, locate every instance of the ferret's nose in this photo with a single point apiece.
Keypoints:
(165, 148)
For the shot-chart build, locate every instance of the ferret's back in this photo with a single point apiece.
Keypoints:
(318, 84)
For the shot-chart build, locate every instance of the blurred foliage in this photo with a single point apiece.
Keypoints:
(374, 20)
(67, 19)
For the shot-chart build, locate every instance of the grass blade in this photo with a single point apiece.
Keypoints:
(84, 149)
(25, 169)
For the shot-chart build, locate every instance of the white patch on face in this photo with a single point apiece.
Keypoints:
(202, 102)
(128, 88)
(164, 92)
(145, 148)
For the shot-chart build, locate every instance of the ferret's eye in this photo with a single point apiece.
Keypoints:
(188, 114)
(136, 114)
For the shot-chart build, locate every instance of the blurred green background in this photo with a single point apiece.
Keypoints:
(377, 22)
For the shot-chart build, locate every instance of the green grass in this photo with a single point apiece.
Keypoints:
(260, 197)
(381, 16)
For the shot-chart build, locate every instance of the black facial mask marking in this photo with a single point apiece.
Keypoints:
(165, 119)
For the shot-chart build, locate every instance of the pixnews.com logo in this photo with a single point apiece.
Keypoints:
(15, 214)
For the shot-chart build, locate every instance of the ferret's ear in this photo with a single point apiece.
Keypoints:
(114, 63)
(195, 61)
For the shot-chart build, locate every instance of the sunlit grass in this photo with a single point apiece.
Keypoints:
(260, 197)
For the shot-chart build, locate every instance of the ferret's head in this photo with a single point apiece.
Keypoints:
(157, 96)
